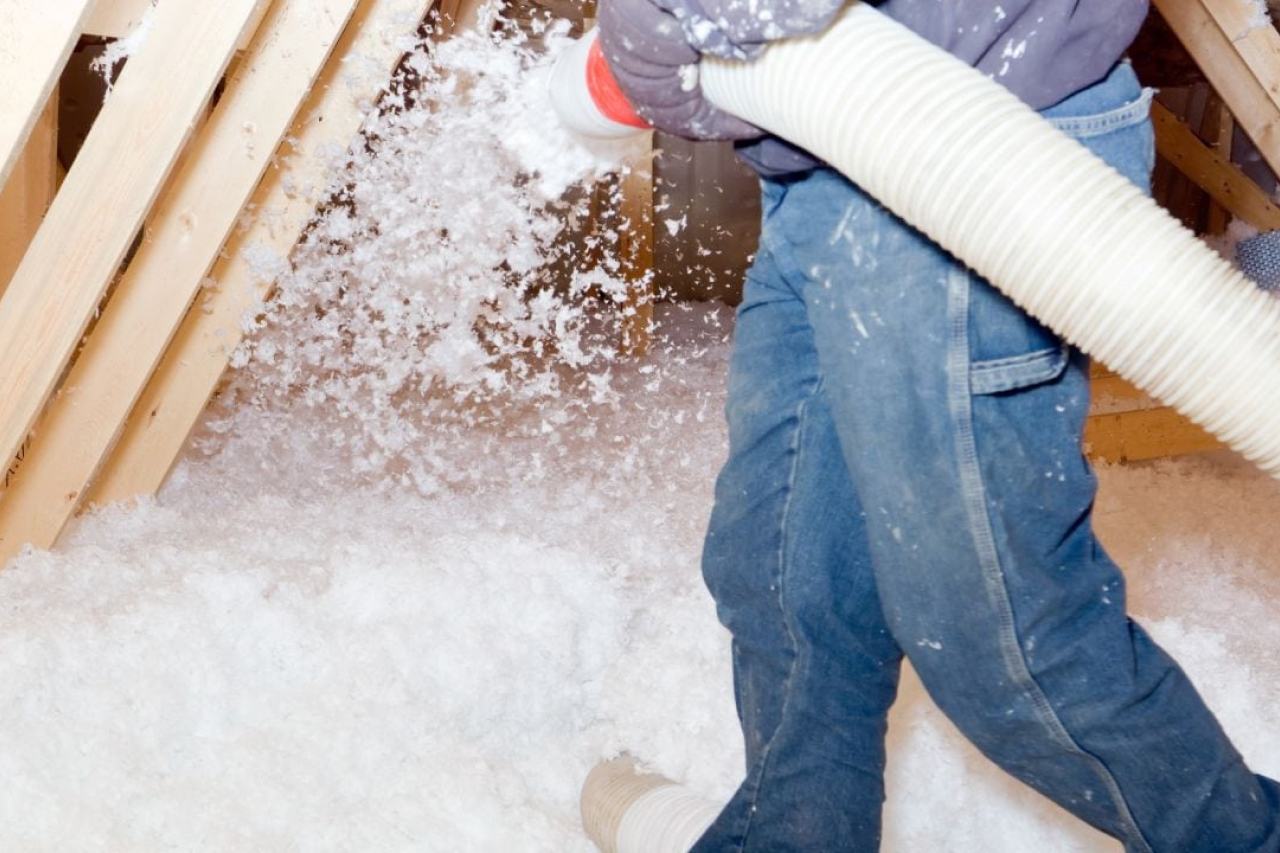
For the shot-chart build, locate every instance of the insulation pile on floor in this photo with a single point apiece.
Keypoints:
(278, 654)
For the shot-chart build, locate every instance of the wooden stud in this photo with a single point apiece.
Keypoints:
(458, 16)
(1216, 130)
(1113, 394)
(1244, 67)
(28, 192)
(1245, 24)
(1144, 434)
(35, 41)
(108, 191)
(1211, 171)
(1180, 196)
(185, 231)
(116, 18)
(290, 191)
(119, 18)
(250, 30)
(636, 250)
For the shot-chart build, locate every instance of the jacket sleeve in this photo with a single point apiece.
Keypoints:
(740, 29)
(653, 48)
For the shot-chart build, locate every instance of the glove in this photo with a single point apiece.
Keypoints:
(653, 48)
(656, 68)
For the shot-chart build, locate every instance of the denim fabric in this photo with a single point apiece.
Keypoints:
(905, 476)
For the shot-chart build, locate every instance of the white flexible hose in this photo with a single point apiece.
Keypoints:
(1045, 220)
(670, 818)
(626, 811)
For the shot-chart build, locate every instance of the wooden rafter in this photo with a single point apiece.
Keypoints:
(124, 161)
(186, 229)
(27, 194)
(197, 357)
(115, 18)
(1212, 172)
(35, 41)
(1240, 57)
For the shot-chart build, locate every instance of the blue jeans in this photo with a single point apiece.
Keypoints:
(905, 476)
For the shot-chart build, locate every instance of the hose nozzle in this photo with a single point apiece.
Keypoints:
(586, 95)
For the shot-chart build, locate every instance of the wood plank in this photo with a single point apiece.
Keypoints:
(251, 29)
(1145, 434)
(1255, 107)
(1254, 38)
(29, 191)
(635, 250)
(1216, 130)
(198, 355)
(1212, 172)
(1109, 395)
(108, 191)
(119, 18)
(186, 229)
(1177, 194)
(116, 18)
(35, 41)
(457, 16)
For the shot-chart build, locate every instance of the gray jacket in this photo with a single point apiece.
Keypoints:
(1042, 50)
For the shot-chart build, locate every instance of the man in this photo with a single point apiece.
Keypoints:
(905, 474)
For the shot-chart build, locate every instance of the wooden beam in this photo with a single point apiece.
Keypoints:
(185, 231)
(635, 249)
(35, 41)
(1241, 64)
(1212, 172)
(116, 18)
(29, 191)
(100, 207)
(290, 191)
(457, 16)
(1254, 38)
(1144, 434)
(1217, 129)
(1112, 394)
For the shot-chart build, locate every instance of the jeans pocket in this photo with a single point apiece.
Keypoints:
(1008, 348)
(1112, 119)
(998, 375)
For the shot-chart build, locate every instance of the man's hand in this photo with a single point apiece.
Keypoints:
(653, 48)
(657, 68)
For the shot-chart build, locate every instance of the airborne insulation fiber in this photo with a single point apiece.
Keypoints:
(435, 280)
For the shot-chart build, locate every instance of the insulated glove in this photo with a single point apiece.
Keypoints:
(653, 48)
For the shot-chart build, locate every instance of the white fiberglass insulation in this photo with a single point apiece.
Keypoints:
(393, 599)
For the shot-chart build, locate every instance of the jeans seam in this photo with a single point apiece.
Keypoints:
(766, 751)
(973, 493)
